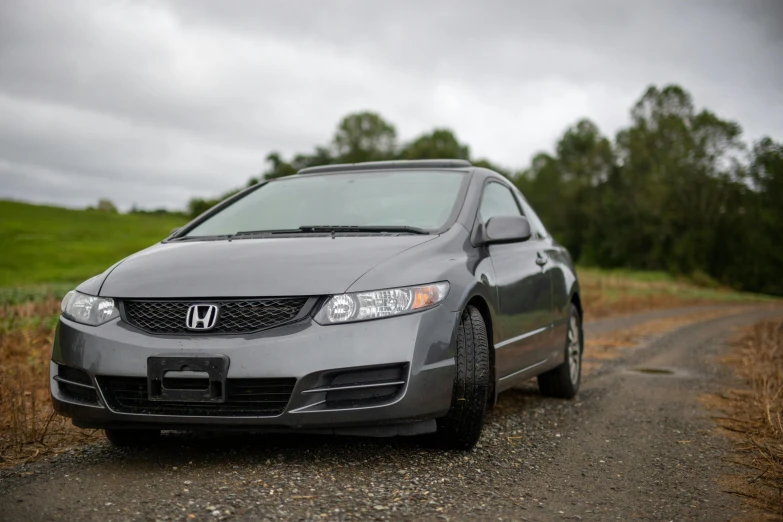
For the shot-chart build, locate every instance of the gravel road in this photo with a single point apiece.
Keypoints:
(632, 445)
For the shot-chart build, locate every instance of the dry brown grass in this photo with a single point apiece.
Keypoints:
(29, 427)
(607, 293)
(627, 301)
(612, 345)
(754, 417)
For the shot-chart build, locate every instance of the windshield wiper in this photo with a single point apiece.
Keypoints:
(364, 228)
(310, 229)
(221, 237)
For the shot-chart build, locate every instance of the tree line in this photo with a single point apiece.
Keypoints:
(678, 189)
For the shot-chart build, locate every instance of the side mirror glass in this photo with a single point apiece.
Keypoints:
(507, 229)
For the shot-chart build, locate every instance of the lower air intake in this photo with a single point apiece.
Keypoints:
(244, 398)
(75, 385)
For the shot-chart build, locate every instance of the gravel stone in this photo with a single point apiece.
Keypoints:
(615, 452)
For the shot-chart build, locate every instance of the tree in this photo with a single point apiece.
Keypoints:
(364, 136)
(542, 185)
(105, 205)
(197, 206)
(766, 172)
(321, 156)
(278, 167)
(485, 163)
(759, 265)
(565, 188)
(675, 190)
(674, 178)
(438, 144)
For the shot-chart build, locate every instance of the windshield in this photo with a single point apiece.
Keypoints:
(420, 199)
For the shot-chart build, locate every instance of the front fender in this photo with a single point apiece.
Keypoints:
(92, 286)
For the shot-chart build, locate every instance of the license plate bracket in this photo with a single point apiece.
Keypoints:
(215, 366)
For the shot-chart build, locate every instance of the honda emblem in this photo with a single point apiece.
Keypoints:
(202, 317)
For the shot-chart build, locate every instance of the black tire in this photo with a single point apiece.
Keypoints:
(132, 438)
(460, 429)
(562, 382)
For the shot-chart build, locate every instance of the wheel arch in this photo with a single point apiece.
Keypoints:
(479, 291)
(578, 304)
(479, 303)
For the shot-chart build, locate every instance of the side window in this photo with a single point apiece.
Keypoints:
(497, 200)
(532, 217)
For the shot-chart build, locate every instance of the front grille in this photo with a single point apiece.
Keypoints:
(234, 317)
(244, 398)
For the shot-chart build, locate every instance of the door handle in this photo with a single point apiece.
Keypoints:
(541, 259)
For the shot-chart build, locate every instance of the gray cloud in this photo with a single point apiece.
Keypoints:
(155, 102)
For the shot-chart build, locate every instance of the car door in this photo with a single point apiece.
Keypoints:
(524, 290)
(555, 263)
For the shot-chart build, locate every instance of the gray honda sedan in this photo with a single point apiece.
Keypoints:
(377, 299)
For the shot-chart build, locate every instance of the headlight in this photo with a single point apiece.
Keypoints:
(87, 309)
(360, 306)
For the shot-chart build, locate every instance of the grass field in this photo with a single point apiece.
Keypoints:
(46, 251)
(42, 244)
(611, 292)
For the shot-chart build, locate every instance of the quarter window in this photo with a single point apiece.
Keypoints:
(497, 200)
(535, 223)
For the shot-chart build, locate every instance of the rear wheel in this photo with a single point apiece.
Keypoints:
(460, 429)
(131, 438)
(563, 381)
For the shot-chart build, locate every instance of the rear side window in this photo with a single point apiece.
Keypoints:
(497, 200)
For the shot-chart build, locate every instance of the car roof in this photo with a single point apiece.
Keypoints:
(451, 164)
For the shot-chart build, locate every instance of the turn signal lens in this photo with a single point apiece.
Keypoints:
(360, 306)
(425, 296)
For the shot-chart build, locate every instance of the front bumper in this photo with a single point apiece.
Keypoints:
(420, 343)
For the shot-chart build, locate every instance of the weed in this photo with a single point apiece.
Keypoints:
(29, 426)
(754, 415)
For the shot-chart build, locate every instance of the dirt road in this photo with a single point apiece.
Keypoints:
(634, 445)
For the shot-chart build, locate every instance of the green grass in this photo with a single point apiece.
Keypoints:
(44, 249)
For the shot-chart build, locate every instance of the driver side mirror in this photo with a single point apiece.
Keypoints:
(506, 229)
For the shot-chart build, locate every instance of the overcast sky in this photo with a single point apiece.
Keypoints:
(154, 102)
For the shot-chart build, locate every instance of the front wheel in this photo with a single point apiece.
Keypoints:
(460, 429)
(563, 381)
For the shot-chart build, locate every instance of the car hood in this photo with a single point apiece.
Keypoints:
(252, 267)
